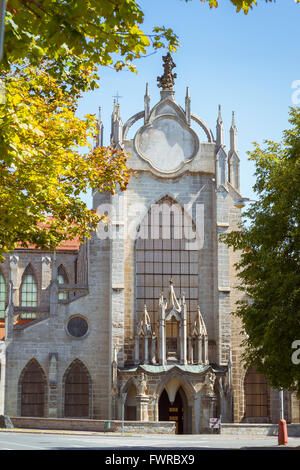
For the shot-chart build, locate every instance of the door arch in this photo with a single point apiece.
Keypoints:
(77, 391)
(175, 411)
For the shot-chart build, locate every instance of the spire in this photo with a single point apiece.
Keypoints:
(233, 135)
(233, 157)
(99, 136)
(173, 302)
(147, 104)
(116, 124)
(219, 129)
(199, 325)
(188, 106)
(145, 324)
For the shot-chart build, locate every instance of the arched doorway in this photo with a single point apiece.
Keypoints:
(175, 411)
(130, 404)
(33, 390)
(77, 391)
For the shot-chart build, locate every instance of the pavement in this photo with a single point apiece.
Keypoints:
(36, 439)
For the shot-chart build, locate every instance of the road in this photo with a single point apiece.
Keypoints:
(60, 441)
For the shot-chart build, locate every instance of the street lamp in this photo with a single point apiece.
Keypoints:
(2, 25)
(123, 409)
(240, 203)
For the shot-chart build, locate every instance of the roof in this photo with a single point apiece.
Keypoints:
(69, 245)
(20, 321)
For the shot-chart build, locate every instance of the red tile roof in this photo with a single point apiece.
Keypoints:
(66, 245)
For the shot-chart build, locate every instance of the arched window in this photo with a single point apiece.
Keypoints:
(256, 395)
(62, 278)
(77, 391)
(165, 250)
(33, 390)
(2, 295)
(29, 297)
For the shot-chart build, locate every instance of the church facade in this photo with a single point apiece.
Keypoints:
(139, 318)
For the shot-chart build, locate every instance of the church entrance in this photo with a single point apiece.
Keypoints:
(172, 411)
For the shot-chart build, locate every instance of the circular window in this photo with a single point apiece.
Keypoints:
(77, 327)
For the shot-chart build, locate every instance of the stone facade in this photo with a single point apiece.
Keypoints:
(102, 340)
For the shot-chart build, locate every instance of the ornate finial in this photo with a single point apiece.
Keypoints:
(166, 81)
(233, 119)
(219, 114)
(147, 90)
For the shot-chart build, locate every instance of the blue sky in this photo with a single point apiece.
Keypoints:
(246, 63)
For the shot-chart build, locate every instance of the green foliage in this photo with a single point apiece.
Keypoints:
(42, 173)
(79, 33)
(241, 5)
(51, 54)
(270, 260)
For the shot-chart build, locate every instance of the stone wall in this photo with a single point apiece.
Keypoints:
(65, 424)
(263, 429)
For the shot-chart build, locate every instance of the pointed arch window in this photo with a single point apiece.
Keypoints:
(77, 391)
(163, 251)
(2, 295)
(29, 289)
(33, 390)
(62, 278)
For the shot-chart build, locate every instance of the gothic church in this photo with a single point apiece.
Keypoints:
(139, 318)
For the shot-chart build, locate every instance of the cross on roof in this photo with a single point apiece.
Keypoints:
(117, 96)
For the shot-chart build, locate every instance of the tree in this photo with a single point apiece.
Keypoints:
(79, 33)
(269, 264)
(42, 173)
(52, 50)
(51, 54)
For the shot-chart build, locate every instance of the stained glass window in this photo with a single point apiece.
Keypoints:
(164, 251)
(28, 290)
(62, 279)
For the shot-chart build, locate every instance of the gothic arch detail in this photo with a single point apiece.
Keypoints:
(33, 390)
(62, 278)
(29, 288)
(77, 391)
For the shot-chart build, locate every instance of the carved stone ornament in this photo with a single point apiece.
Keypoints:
(141, 384)
(166, 81)
(210, 382)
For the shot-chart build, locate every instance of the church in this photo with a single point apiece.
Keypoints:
(139, 319)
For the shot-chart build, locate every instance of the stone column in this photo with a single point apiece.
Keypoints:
(53, 357)
(137, 349)
(146, 349)
(14, 277)
(199, 350)
(142, 407)
(162, 342)
(190, 350)
(9, 313)
(205, 358)
(153, 349)
(183, 342)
